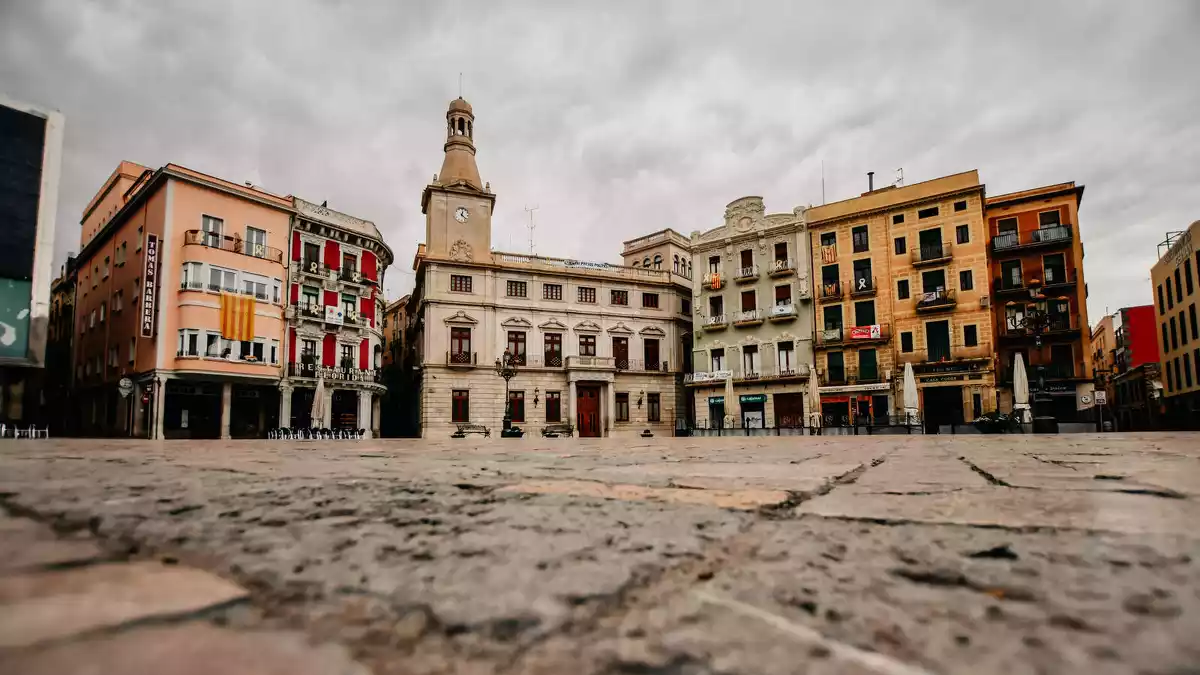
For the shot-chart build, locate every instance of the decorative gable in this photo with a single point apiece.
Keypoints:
(652, 331)
(553, 324)
(620, 329)
(462, 318)
(517, 322)
(587, 327)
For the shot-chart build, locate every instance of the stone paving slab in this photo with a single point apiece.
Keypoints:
(28, 544)
(45, 606)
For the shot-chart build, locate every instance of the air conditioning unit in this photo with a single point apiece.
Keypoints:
(985, 302)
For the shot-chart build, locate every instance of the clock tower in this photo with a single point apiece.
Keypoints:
(457, 205)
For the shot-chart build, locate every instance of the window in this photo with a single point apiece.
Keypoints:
(349, 309)
(1178, 286)
(553, 406)
(749, 301)
(898, 218)
(718, 359)
(927, 213)
(347, 356)
(714, 264)
(92, 320)
(274, 352)
(312, 257)
(619, 297)
(622, 407)
(253, 350)
(963, 233)
(1178, 379)
(221, 280)
(970, 336)
(1170, 298)
(1166, 345)
(310, 297)
(118, 301)
(256, 242)
(1048, 219)
(256, 286)
(646, 262)
(864, 313)
(105, 276)
(552, 349)
(650, 300)
(141, 236)
(781, 253)
(716, 305)
(275, 284)
(587, 345)
(750, 361)
(650, 354)
(460, 345)
(460, 406)
(1183, 331)
(1187, 370)
(906, 342)
(833, 317)
(657, 262)
(112, 359)
(786, 353)
(1187, 275)
(783, 295)
(965, 281)
(960, 206)
(552, 291)
(132, 349)
(587, 294)
(516, 346)
(516, 405)
(675, 264)
(515, 289)
(829, 238)
(685, 306)
(1192, 320)
(103, 307)
(189, 342)
(212, 228)
(1174, 335)
(308, 351)
(460, 283)
(193, 276)
(858, 236)
(902, 289)
(901, 246)
(654, 410)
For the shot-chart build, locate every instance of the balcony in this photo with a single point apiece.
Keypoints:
(591, 362)
(746, 273)
(1057, 326)
(955, 354)
(351, 275)
(936, 301)
(1050, 371)
(931, 254)
(764, 372)
(192, 285)
(782, 267)
(344, 373)
(233, 244)
(1046, 237)
(311, 311)
(314, 268)
(829, 336)
(830, 292)
(716, 322)
(748, 317)
(863, 287)
(1057, 279)
(834, 377)
(641, 365)
(712, 280)
(1009, 286)
(461, 359)
(854, 335)
(782, 312)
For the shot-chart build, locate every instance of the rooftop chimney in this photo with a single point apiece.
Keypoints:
(870, 181)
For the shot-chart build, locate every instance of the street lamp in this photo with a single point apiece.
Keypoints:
(506, 367)
(1035, 321)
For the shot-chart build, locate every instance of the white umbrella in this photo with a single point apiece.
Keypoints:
(317, 414)
(1020, 388)
(910, 394)
(728, 422)
(814, 394)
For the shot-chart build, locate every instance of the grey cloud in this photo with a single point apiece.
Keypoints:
(619, 118)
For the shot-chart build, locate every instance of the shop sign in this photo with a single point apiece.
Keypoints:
(716, 399)
(752, 398)
(1101, 397)
(943, 378)
(871, 332)
(333, 314)
(149, 285)
(715, 376)
(945, 368)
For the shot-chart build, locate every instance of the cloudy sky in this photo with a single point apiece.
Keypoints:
(620, 118)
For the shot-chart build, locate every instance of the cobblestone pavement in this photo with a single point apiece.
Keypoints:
(887, 555)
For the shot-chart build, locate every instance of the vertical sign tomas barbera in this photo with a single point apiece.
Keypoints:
(149, 285)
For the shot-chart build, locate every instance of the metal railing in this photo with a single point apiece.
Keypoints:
(234, 244)
(313, 310)
(590, 362)
(781, 266)
(829, 291)
(863, 285)
(711, 279)
(748, 316)
(785, 310)
(1056, 234)
(315, 268)
(927, 253)
(463, 358)
(829, 336)
(1008, 283)
(745, 273)
(715, 321)
(762, 372)
(935, 300)
(641, 365)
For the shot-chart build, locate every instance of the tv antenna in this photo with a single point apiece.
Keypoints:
(899, 177)
(531, 225)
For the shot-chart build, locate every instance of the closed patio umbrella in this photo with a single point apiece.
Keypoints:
(814, 394)
(910, 395)
(1020, 388)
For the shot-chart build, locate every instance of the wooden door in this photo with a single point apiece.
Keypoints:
(587, 411)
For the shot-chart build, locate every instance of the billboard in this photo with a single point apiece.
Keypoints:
(30, 164)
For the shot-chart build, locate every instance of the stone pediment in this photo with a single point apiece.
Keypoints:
(587, 327)
(461, 317)
(652, 331)
(517, 322)
(620, 329)
(553, 324)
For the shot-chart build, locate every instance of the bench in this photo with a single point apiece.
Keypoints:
(551, 430)
(464, 429)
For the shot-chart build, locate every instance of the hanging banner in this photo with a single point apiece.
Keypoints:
(871, 332)
(149, 285)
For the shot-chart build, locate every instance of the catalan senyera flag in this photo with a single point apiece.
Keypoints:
(237, 316)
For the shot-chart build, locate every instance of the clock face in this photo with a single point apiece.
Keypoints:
(461, 214)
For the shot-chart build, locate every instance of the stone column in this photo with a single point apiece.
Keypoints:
(610, 403)
(158, 400)
(364, 412)
(375, 412)
(573, 419)
(285, 407)
(226, 407)
(327, 418)
(139, 410)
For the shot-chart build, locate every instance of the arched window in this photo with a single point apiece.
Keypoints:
(461, 129)
(646, 262)
(676, 263)
(657, 262)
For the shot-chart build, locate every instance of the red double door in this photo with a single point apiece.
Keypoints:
(587, 411)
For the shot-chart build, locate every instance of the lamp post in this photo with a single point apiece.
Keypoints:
(506, 367)
(1036, 320)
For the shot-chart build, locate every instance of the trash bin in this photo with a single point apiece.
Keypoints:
(1045, 425)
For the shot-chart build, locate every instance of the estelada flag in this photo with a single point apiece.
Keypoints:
(237, 317)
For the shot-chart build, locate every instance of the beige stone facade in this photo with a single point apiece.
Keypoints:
(753, 319)
(901, 276)
(1176, 298)
(597, 343)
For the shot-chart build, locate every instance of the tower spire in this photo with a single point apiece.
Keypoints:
(458, 167)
